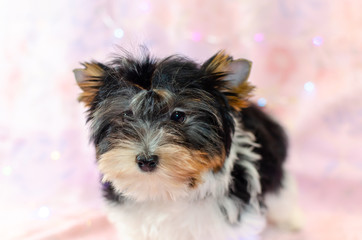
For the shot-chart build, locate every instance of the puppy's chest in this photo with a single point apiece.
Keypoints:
(175, 220)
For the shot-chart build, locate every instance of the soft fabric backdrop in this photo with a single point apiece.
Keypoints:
(307, 59)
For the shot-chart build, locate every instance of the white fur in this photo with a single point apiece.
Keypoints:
(179, 220)
(197, 215)
(217, 184)
(283, 207)
(135, 184)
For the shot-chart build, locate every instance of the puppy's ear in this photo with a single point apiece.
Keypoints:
(89, 79)
(233, 75)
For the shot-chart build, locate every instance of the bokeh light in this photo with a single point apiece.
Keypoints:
(196, 36)
(259, 37)
(7, 170)
(118, 33)
(309, 87)
(55, 155)
(261, 102)
(43, 212)
(318, 41)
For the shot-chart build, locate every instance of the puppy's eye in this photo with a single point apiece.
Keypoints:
(127, 115)
(178, 116)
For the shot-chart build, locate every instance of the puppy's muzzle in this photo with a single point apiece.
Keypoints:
(147, 163)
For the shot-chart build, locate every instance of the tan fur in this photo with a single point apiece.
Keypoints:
(179, 170)
(89, 80)
(242, 93)
(119, 167)
(116, 162)
(219, 63)
(185, 165)
(164, 94)
(239, 94)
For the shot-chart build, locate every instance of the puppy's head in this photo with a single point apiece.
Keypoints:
(159, 125)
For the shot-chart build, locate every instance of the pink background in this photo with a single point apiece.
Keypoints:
(307, 59)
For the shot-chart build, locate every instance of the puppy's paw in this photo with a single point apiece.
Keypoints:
(283, 207)
(292, 221)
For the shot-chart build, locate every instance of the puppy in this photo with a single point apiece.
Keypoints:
(183, 153)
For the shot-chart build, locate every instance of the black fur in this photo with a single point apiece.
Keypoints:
(190, 87)
(239, 184)
(124, 78)
(110, 193)
(273, 150)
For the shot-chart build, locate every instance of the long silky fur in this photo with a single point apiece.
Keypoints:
(216, 165)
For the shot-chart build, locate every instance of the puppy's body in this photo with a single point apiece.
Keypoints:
(182, 154)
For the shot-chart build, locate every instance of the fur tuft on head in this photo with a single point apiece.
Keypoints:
(150, 107)
(179, 148)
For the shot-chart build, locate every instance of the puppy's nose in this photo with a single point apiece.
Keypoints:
(147, 163)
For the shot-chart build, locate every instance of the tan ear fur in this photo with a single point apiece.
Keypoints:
(241, 94)
(89, 80)
(219, 62)
(237, 88)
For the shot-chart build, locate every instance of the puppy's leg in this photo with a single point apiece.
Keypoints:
(283, 208)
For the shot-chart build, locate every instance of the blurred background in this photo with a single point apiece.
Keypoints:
(307, 66)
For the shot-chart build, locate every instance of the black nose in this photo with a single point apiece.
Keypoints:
(147, 163)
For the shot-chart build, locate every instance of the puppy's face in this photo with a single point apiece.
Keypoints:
(159, 125)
